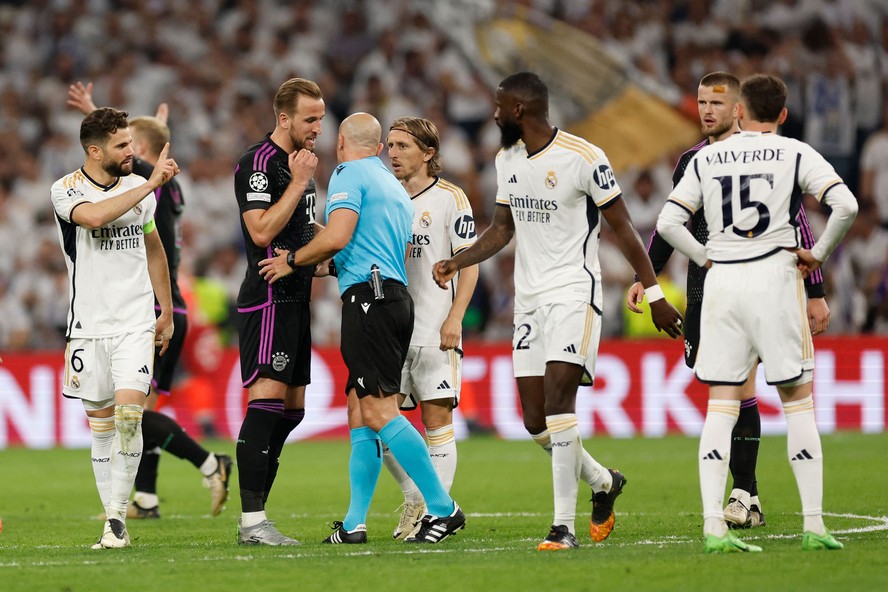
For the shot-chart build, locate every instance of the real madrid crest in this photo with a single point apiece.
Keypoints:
(551, 180)
(425, 220)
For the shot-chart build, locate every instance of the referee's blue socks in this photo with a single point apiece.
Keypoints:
(364, 465)
(411, 452)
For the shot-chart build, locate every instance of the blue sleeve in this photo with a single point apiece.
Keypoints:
(345, 189)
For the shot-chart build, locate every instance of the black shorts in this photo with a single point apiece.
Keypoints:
(692, 333)
(375, 337)
(275, 342)
(165, 365)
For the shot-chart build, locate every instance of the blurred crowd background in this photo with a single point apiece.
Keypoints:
(218, 63)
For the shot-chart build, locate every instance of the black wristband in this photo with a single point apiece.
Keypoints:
(290, 260)
(332, 268)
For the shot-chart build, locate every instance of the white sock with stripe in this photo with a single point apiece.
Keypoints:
(126, 454)
(591, 471)
(442, 450)
(713, 456)
(102, 431)
(566, 461)
(806, 460)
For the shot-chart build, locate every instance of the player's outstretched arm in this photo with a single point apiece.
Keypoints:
(488, 244)
(665, 316)
(337, 234)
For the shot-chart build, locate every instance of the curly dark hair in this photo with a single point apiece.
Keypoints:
(100, 125)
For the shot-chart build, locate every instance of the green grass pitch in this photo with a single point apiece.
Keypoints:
(48, 505)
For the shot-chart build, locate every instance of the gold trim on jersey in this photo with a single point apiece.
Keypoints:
(828, 187)
(681, 203)
(591, 316)
(578, 145)
(73, 179)
(461, 249)
(453, 358)
(807, 338)
(459, 196)
(609, 198)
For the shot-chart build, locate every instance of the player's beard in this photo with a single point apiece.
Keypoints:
(510, 133)
(718, 130)
(299, 143)
(118, 169)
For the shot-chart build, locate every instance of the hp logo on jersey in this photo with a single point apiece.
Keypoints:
(258, 182)
(465, 227)
(604, 177)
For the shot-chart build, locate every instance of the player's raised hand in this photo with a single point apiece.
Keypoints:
(443, 272)
(302, 165)
(666, 318)
(165, 168)
(634, 297)
(163, 112)
(80, 97)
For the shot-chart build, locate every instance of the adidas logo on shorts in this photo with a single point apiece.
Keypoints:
(443, 386)
(144, 370)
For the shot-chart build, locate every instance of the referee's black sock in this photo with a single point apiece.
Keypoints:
(253, 450)
(745, 445)
(287, 423)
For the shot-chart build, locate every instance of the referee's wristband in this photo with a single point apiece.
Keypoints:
(654, 293)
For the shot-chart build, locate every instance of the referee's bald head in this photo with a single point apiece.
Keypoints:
(361, 130)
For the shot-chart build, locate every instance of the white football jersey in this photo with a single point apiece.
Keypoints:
(554, 196)
(109, 289)
(750, 187)
(442, 226)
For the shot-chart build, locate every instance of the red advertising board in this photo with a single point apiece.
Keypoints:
(642, 388)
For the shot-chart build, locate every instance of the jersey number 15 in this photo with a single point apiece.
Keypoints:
(746, 202)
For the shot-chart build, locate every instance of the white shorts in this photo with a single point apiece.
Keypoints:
(561, 332)
(429, 374)
(95, 369)
(753, 311)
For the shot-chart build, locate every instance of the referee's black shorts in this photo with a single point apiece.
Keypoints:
(165, 365)
(692, 333)
(375, 337)
(275, 342)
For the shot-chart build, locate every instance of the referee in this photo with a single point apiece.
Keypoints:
(369, 219)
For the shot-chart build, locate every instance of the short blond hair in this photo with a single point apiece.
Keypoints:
(287, 97)
(152, 130)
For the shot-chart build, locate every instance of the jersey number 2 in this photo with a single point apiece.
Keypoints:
(727, 185)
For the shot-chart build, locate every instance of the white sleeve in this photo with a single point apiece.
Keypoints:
(844, 210)
(671, 226)
(64, 199)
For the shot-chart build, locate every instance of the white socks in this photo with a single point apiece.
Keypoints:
(412, 495)
(126, 453)
(713, 456)
(591, 471)
(806, 460)
(442, 449)
(209, 466)
(566, 461)
(102, 430)
(252, 518)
